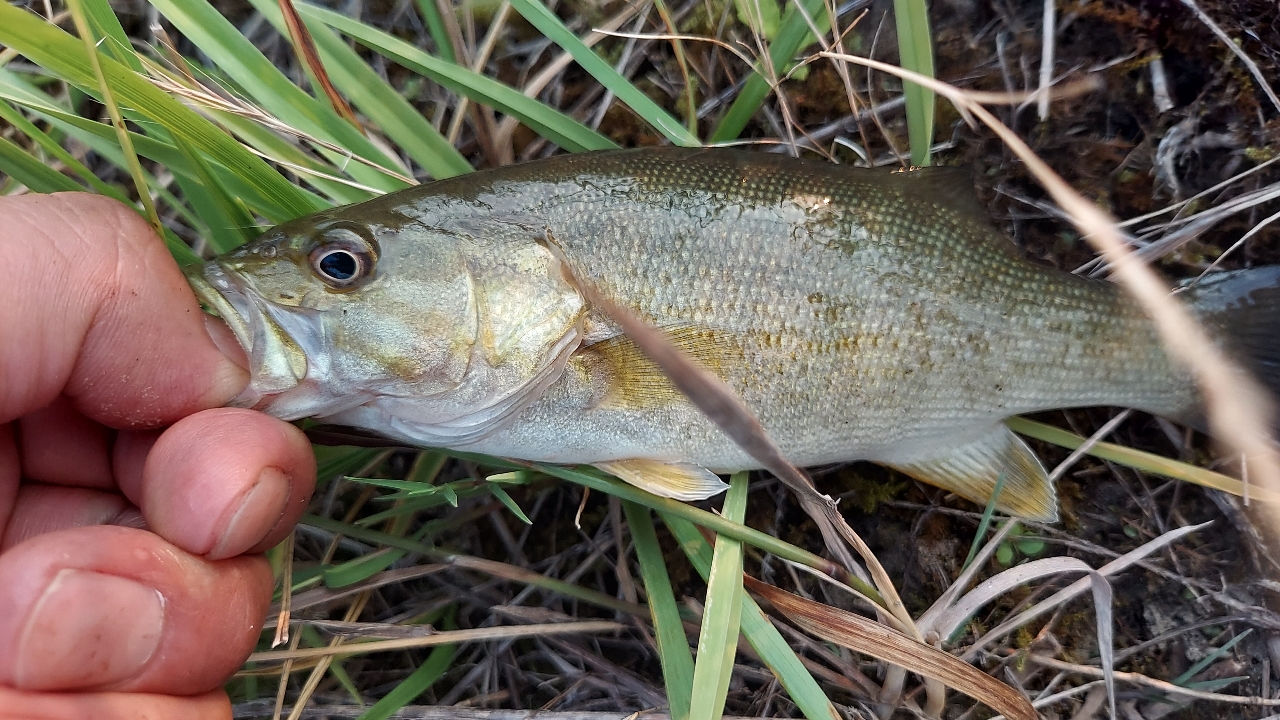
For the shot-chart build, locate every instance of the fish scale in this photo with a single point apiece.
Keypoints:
(860, 314)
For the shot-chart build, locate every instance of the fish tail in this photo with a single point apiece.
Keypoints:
(1243, 309)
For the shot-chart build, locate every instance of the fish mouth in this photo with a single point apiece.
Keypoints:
(276, 362)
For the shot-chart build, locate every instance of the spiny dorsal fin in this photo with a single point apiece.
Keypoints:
(949, 187)
(971, 471)
(632, 381)
(678, 481)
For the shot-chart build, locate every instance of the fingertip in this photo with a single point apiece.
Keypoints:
(129, 457)
(106, 317)
(230, 374)
(14, 704)
(228, 481)
(110, 608)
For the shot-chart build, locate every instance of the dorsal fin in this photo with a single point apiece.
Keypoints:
(950, 187)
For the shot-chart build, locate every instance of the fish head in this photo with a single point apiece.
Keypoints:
(418, 320)
(333, 312)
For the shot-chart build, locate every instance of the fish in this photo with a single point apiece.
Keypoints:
(860, 314)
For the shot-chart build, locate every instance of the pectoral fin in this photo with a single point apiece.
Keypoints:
(971, 471)
(679, 481)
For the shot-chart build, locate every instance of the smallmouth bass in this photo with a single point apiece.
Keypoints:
(862, 315)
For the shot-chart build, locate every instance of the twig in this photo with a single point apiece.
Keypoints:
(1140, 679)
(254, 709)
(441, 638)
(1046, 60)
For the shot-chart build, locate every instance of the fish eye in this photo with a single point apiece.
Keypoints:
(343, 258)
(338, 265)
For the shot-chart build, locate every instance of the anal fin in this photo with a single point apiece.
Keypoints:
(972, 470)
(679, 481)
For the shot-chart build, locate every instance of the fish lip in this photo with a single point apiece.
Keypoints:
(229, 297)
(216, 294)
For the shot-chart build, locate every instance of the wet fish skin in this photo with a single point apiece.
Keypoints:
(861, 314)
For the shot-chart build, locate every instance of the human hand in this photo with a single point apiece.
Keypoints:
(102, 344)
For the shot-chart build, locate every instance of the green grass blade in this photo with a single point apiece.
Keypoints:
(101, 138)
(509, 503)
(985, 523)
(340, 461)
(379, 101)
(340, 674)
(230, 223)
(160, 148)
(115, 42)
(373, 536)
(793, 36)
(436, 28)
(359, 569)
(108, 97)
(1211, 658)
(759, 632)
(915, 52)
(548, 122)
(1129, 457)
(673, 508)
(411, 505)
(11, 115)
(673, 646)
(365, 566)
(45, 182)
(30, 171)
(548, 24)
(418, 682)
(53, 49)
(320, 175)
(234, 55)
(722, 614)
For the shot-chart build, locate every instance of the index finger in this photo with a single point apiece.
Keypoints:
(95, 308)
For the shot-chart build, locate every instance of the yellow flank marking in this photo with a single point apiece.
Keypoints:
(634, 382)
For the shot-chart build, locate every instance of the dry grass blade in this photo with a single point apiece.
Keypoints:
(285, 607)
(718, 402)
(209, 102)
(1075, 88)
(305, 45)
(709, 393)
(1001, 584)
(324, 663)
(879, 641)
(1079, 586)
(443, 638)
(1254, 70)
(1144, 681)
(459, 712)
(1238, 407)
